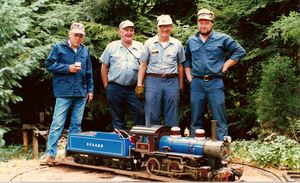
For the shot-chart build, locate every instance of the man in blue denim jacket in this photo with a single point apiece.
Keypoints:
(70, 64)
(205, 65)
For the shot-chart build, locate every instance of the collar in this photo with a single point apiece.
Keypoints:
(212, 36)
(133, 45)
(66, 43)
(156, 39)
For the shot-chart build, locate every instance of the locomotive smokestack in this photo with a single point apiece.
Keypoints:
(214, 130)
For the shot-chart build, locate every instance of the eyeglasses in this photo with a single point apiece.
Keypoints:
(165, 26)
(78, 35)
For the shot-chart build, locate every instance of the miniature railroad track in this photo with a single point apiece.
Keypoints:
(133, 174)
(292, 176)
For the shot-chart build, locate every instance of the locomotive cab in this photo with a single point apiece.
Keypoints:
(147, 138)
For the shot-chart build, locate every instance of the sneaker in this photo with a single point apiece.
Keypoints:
(48, 160)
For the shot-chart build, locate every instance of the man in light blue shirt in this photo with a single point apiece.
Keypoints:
(204, 67)
(120, 63)
(161, 74)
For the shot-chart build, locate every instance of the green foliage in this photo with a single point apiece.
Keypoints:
(2, 141)
(13, 152)
(183, 32)
(98, 36)
(277, 97)
(280, 152)
(286, 28)
(13, 44)
(112, 12)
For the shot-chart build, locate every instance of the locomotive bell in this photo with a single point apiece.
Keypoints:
(186, 132)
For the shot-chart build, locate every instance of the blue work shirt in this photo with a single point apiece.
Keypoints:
(208, 58)
(66, 84)
(123, 66)
(162, 60)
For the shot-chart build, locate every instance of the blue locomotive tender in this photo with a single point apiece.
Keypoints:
(158, 149)
(109, 144)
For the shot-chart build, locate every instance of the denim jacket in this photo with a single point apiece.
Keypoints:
(66, 84)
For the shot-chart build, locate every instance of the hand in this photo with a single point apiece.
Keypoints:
(189, 78)
(90, 97)
(74, 68)
(139, 92)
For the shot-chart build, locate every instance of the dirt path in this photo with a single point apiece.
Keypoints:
(30, 170)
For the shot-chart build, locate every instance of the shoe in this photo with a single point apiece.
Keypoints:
(48, 160)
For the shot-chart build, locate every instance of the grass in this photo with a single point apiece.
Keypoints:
(14, 152)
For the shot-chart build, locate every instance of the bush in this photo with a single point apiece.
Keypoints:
(277, 96)
(280, 152)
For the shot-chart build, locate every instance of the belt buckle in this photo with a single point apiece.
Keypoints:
(206, 77)
(164, 75)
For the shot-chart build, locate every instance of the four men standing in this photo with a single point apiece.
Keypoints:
(156, 68)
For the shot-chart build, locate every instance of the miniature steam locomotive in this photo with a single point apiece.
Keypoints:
(161, 150)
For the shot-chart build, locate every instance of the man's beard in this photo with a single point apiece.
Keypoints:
(205, 33)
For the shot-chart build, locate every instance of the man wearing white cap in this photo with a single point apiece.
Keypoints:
(204, 67)
(120, 63)
(71, 68)
(161, 75)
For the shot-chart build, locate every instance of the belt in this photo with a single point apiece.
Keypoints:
(207, 77)
(131, 87)
(162, 75)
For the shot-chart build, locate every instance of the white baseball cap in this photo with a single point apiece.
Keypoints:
(164, 20)
(126, 23)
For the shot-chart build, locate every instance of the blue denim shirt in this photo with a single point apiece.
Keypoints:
(123, 66)
(66, 84)
(162, 60)
(208, 58)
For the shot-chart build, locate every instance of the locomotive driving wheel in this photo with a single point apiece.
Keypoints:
(152, 166)
(174, 168)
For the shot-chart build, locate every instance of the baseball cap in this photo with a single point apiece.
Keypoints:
(205, 14)
(164, 20)
(126, 23)
(77, 28)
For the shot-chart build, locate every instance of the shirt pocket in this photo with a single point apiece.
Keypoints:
(214, 52)
(170, 57)
(154, 56)
(83, 60)
(115, 59)
(196, 52)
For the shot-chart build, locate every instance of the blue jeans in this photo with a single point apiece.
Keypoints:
(119, 97)
(62, 107)
(162, 95)
(212, 92)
